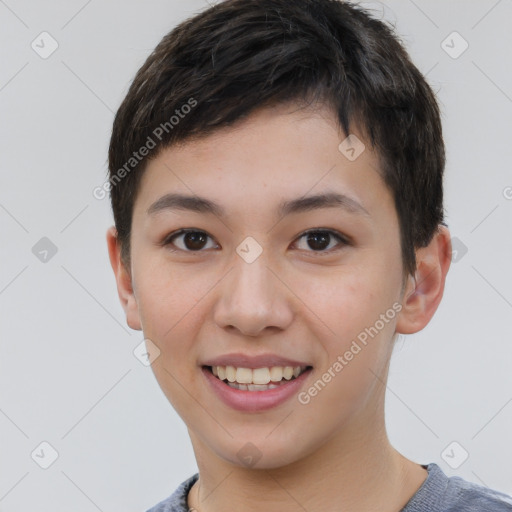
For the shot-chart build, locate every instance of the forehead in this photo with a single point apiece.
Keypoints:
(273, 157)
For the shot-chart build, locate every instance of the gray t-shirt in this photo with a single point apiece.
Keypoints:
(438, 493)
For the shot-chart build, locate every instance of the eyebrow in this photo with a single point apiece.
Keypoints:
(199, 204)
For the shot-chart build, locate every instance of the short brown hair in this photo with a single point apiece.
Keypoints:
(242, 55)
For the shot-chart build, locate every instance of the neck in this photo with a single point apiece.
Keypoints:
(350, 472)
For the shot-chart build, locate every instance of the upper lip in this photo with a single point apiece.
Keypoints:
(260, 361)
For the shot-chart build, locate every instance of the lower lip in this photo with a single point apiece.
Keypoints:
(252, 401)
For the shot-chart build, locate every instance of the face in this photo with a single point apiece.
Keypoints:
(268, 271)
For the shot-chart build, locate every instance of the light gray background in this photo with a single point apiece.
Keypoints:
(67, 370)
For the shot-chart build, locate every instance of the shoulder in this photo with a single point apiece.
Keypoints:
(472, 497)
(440, 493)
(177, 501)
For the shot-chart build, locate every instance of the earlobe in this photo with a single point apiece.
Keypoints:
(424, 291)
(123, 281)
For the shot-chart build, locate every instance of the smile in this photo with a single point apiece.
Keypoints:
(258, 379)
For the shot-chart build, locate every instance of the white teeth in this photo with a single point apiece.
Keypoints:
(241, 387)
(276, 373)
(252, 387)
(288, 372)
(260, 387)
(244, 375)
(259, 377)
(231, 373)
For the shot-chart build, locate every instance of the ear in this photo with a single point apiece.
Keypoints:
(123, 280)
(424, 291)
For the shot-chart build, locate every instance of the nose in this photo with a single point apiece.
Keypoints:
(252, 300)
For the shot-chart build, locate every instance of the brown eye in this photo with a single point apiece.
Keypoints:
(191, 240)
(320, 240)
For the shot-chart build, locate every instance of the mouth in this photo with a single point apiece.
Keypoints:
(258, 379)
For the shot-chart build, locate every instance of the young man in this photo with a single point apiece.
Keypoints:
(276, 181)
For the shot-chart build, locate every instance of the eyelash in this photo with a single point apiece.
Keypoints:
(338, 236)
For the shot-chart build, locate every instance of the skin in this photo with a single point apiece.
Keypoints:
(332, 453)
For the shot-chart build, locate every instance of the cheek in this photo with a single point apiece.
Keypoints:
(355, 314)
(168, 300)
(357, 346)
(345, 300)
(169, 305)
